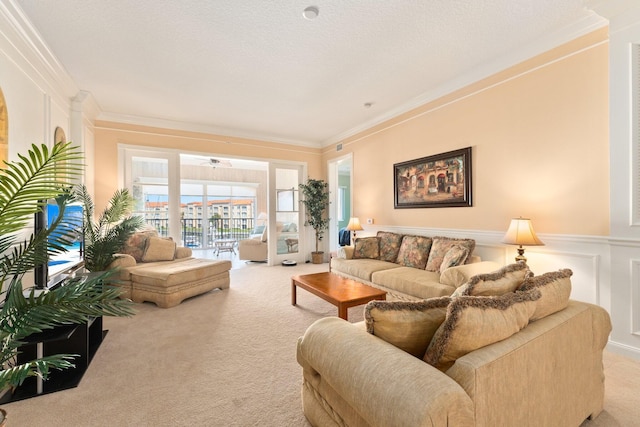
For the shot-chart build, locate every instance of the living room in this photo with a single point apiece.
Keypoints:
(550, 132)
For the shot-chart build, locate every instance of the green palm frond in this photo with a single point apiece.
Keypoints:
(15, 376)
(35, 177)
(106, 236)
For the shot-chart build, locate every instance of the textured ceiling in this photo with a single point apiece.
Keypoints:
(257, 68)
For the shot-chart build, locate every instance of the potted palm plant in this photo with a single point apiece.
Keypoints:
(106, 236)
(25, 184)
(315, 199)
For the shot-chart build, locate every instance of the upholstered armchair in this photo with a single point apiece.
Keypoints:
(254, 248)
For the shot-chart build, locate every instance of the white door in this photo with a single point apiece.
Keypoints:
(286, 224)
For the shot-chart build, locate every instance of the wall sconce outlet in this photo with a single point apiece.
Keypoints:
(369, 221)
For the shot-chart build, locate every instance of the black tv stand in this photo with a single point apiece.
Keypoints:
(83, 339)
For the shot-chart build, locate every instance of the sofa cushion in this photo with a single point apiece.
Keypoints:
(389, 245)
(475, 322)
(412, 281)
(441, 246)
(366, 247)
(506, 279)
(409, 325)
(455, 256)
(414, 251)
(159, 249)
(361, 268)
(165, 274)
(137, 243)
(555, 289)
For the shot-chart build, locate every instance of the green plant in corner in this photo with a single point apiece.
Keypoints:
(106, 236)
(316, 202)
(25, 185)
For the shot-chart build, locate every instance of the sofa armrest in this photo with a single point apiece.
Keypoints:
(344, 252)
(459, 275)
(123, 261)
(384, 384)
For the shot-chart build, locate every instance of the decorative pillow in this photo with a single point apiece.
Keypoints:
(389, 245)
(555, 288)
(265, 234)
(409, 325)
(182, 252)
(366, 247)
(136, 244)
(414, 251)
(475, 322)
(500, 282)
(159, 249)
(456, 255)
(258, 229)
(441, 246)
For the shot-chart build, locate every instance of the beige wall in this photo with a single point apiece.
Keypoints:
(539, 133)
(110, 134)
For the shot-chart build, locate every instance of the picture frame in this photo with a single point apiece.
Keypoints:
(439, 181)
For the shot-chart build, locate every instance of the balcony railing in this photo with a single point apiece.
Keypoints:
(196, 231)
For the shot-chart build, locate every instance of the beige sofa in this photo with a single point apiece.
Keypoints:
(546, 372)
(410, 267)
(157, 270)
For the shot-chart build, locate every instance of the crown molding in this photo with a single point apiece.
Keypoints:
(194, 127)
(24, 45)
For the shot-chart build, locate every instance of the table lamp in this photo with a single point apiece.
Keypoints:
(354, 225)
(521, 232)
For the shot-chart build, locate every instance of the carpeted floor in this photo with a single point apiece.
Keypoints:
(226, 358)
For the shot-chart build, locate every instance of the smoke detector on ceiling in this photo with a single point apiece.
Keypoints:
(311, 13)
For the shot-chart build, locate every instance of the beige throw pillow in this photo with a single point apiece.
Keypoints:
(159, 249)
(409, 325)
(475, 322)
(555, 289)
(507, 279)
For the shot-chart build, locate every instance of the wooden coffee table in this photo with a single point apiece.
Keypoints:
(337, 290)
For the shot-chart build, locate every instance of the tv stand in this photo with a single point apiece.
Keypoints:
(83, 340)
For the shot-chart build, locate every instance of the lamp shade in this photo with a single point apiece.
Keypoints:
(521, 232)
(354, 224)
(262, 216)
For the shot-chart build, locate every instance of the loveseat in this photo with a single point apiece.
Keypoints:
(410, 267)
(155, 269)
(529, 357)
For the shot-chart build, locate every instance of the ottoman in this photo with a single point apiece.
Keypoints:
(167, 284)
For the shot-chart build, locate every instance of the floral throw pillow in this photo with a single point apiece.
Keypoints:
(456, 255)
(441, 246)
(414, 251)
(137, 243)
(366, 247)
(389, 245)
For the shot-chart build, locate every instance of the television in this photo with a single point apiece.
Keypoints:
(60, 265)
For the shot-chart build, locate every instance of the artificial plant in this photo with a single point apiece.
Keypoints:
(25, 186)
(106, 236)
(315, 198)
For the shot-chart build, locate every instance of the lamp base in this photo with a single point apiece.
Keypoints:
(521, 257)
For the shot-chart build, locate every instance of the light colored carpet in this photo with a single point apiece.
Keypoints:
(226, 358)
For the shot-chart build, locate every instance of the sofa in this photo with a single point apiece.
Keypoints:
(525, 357)
(152, 268)
(410, 267)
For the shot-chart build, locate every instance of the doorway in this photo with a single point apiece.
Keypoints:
(340, 178)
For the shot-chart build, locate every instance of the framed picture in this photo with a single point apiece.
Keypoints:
(439, 181)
